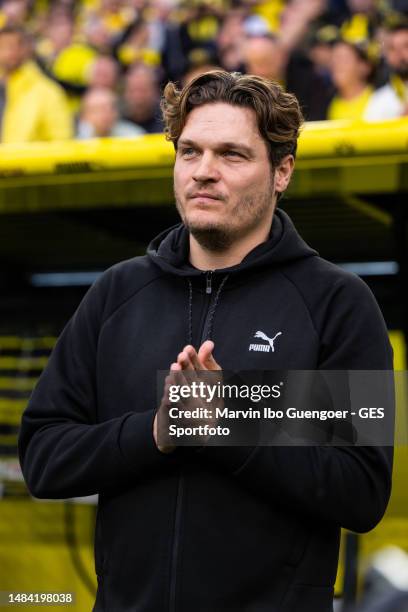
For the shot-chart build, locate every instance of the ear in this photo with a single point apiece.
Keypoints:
(283, 173)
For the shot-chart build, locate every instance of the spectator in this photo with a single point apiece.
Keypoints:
(134, 46)
(115, 14)
(196, 71)
(104, 73)
(321, 47)
(195, 28)
(34, 107)
(351, 73)
(68, 60)
(59, 33)
(362, 20)
(142, 98)
(14, 12)
(231, 39)
(265, 57)
(97, 34)
(391, 100)
(99, 117)
(308, 74)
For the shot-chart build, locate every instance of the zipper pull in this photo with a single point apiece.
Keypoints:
(208, 289)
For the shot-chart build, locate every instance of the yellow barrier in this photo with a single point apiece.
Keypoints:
(318, 140)
(334, 158)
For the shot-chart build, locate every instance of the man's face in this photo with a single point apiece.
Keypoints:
(13, 51)
(397, 52)
(347, 67)
(15, 11)
(264, 57)
(104, 74)
(60, 31)
(223, 181)
(140, 91)
(361, 6)
(100, 112)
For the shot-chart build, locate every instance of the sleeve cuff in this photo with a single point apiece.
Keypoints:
(137, 444)
(231, 458)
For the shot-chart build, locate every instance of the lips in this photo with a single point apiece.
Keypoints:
(204, 195)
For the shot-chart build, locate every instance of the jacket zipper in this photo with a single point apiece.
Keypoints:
(208, 278)
(180, 485)
(176, 543)
(208, 291)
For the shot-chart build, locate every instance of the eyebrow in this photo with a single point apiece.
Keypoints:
(222, 146)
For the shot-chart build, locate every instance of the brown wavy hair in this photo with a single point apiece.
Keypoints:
(278, 113)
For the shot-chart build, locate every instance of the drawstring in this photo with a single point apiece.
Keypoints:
(212, 311)
(214, 307)
(190, 312)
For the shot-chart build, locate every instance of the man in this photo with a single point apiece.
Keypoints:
(141, 98)
(104, 73)
(391, 100)
(352, 70)
(211, 529)
(99, 117)
(32, 107)
(265, 56)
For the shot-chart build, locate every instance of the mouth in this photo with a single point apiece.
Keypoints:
(203, 196)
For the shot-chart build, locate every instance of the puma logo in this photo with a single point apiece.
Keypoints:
(264, 348)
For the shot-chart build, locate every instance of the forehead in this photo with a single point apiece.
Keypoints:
(11, 38)
(140, 77)
(400, 37)
(99, 100)
(260, 47)
(220, 122)
(343, 49)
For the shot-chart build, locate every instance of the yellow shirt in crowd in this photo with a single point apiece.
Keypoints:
(36, 108)
(349, 109)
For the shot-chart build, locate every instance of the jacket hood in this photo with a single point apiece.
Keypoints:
(170, 249)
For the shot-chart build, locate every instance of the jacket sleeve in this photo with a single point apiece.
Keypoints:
(348, 485)
(57, 121)
(64, 451)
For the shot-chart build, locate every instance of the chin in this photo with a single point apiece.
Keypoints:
(204, 221)
(211, 235)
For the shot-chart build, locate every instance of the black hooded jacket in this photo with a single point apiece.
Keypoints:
(240, 529)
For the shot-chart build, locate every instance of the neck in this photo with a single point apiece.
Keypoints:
(203, 259)
(352, 90)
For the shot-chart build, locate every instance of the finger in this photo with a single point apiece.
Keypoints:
(206, 357)
(176, 379)
(184, 360)
(178, 375)
(194, 360)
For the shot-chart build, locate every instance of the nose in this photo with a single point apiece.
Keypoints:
(206, 169)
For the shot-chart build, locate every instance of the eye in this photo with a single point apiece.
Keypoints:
(187, 152)
(232, 153)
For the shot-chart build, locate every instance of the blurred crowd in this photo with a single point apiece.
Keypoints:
(96, 68)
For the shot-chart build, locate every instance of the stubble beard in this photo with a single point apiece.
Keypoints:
(250, 212)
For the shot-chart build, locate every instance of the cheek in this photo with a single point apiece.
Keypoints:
(252, 182)
(179, 174)
(182, 179)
